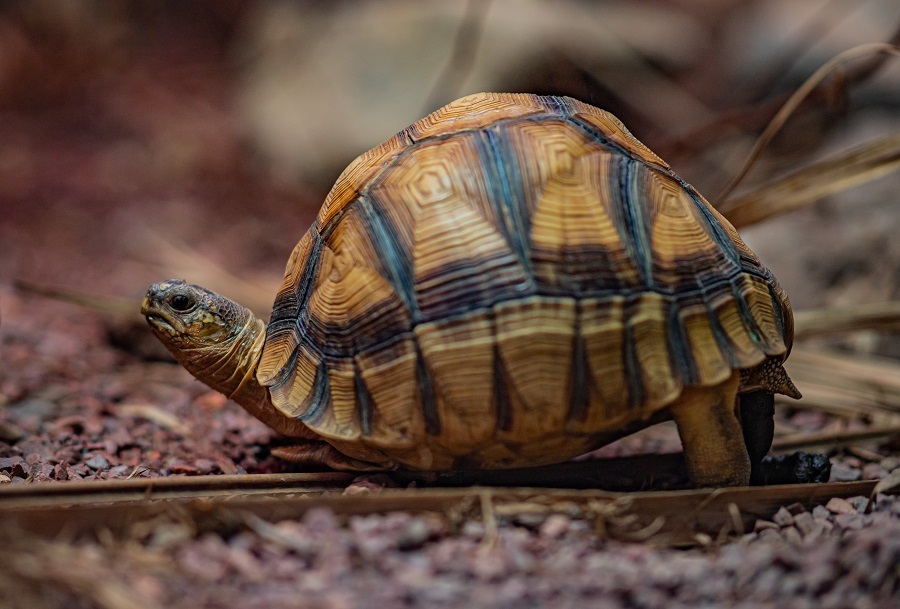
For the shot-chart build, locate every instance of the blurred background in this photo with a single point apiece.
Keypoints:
(142, 140)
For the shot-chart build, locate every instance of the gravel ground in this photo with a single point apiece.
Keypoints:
(77, 407)
(832, 557)
(97, 165)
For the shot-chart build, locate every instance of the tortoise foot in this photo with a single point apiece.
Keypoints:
(323, 454)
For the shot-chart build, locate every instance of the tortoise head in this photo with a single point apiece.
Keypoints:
(216, 339)
(219, 342)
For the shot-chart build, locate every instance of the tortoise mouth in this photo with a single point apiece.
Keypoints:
(159, 317)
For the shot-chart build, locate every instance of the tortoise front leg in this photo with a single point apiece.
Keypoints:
(714, 449)
(324, 454)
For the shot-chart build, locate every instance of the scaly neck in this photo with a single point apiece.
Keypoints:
(241, 361)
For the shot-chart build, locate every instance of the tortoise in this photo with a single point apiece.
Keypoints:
(512, 281)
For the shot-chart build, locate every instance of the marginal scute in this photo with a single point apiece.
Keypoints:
(755, 292)
(602, 327)
(340, 421)
(389, 375)
(475, 111)
(787, 315)
(296, 395)
(741, 347)
(282, 334)
(706, 357)
(459, 354)
(647, 331)
(535, 338)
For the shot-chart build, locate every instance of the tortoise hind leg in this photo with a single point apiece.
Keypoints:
(758, 426)
(711, 435)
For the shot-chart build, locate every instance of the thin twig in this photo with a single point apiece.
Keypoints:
(883, 316)
(820, 24)
(797, 98)
(462, 56)
(834, 438)
(837, 173)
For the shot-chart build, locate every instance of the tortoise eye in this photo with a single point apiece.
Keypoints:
(180, 302)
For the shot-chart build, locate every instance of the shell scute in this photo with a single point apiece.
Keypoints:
(576, 238)
(504, 282)
(389, 378)
(535, 337)
(612, 129)
(442, 219)
(459, 354)
(353, 308)
(357, 176)
(475, 111)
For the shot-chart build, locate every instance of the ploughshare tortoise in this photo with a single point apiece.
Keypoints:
(511, 281)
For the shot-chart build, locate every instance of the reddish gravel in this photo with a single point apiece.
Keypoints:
(76, 407)
(824, 559)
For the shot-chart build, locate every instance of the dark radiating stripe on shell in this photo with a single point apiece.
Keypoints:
(510, 179)
(747, 317)
(720, 335)
(636, 230)
(713, 227)
(301, 391)
(504, 196)
(363, 402)
(636, 390)
(318, 399)
(779, 311)
(286, 313)
(286, 324)
(679, 348)
(501, 393)
(579, 392)
(394, 256)
(426, 388)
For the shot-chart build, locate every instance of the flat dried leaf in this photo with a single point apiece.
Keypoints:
(155, 414)
(888, 485)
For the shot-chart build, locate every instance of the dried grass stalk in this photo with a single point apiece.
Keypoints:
(847, 384)
(797, 98)
(672, 517)
(815, 182)
(882, 316)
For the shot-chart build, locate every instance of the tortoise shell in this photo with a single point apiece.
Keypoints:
(512, 280)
